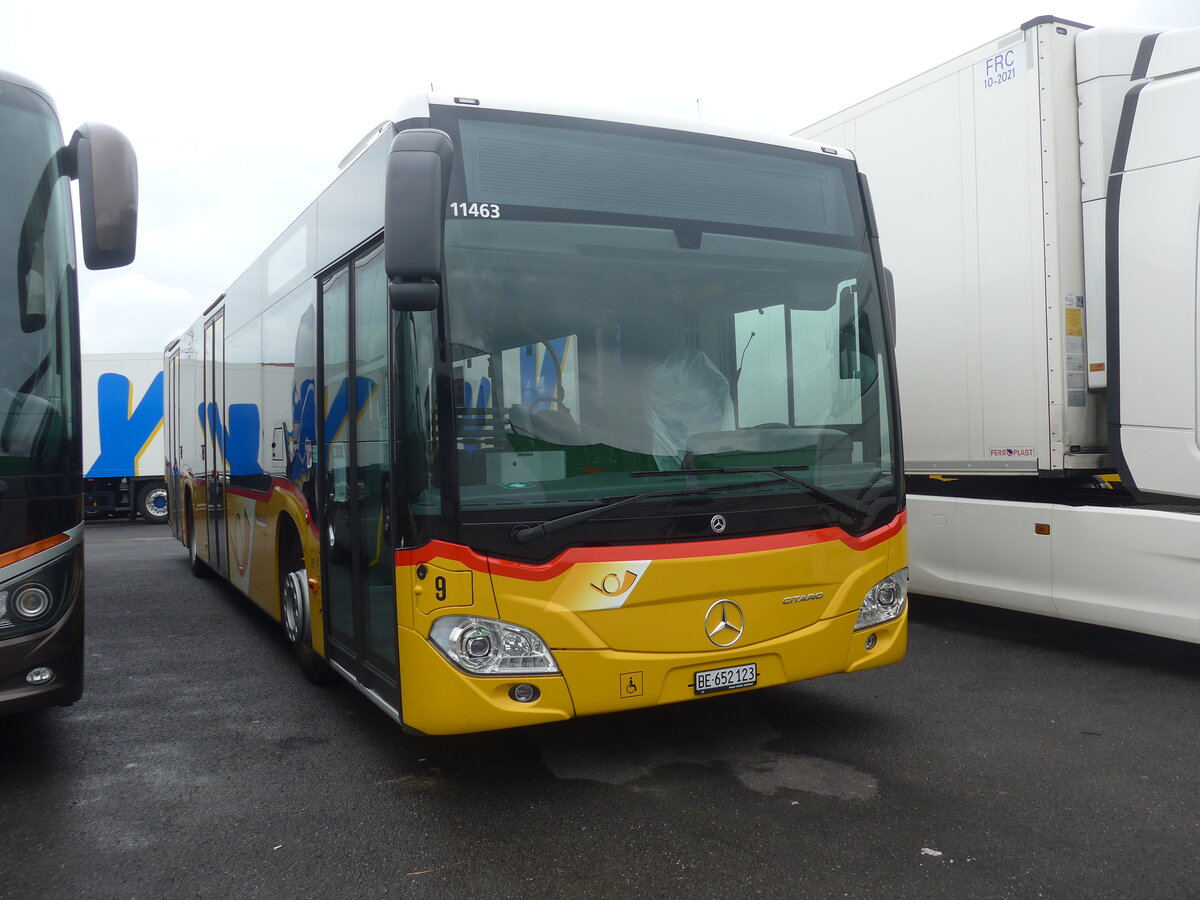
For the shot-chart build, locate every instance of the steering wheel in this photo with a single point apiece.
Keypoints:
(549, 401)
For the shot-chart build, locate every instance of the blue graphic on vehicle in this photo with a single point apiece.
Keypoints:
(124, 432)
(239, 439)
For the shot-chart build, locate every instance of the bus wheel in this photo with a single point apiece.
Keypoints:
(199, 569)
(293, 608)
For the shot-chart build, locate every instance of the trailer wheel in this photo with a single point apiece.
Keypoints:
(294, 612)
(152, 502)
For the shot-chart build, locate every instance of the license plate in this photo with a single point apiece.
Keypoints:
(726, 679)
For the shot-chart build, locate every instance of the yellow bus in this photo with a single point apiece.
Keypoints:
(537, 413)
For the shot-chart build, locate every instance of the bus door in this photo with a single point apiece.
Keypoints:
(173, 444)
(213, 431)
(358, 557)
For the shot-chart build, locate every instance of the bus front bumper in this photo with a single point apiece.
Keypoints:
(448, 701)
(60, 648)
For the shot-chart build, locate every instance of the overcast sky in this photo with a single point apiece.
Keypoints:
(240, 112)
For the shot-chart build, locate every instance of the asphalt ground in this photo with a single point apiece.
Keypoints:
(1007, 756)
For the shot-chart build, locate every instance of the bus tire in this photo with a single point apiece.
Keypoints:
(294, 613)
(152, 502)
(197, 565)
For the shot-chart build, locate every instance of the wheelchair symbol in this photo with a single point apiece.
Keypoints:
(631, 684)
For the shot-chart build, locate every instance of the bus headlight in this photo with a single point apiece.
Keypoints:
(37, 599)
(884, 602)
(488, 647)
(27, 603)
(31, 601)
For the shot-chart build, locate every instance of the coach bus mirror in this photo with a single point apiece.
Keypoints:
(106, 167)
(411, 296)
(414, 224)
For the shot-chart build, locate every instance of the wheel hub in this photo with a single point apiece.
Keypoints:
(295, 604)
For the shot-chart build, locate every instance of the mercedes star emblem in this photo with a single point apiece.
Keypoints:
(717, 523)
(724, 623)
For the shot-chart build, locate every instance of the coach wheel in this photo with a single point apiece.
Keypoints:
(294, 611)
(199, 569)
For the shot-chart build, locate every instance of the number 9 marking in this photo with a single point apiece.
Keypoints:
(439, 588)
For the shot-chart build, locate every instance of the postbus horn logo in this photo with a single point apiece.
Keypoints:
(614, 585)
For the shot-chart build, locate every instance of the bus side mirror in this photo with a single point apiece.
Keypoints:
(106, 167)
(414, 223)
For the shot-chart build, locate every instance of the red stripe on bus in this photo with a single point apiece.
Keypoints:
(277, 484)
(576, 555)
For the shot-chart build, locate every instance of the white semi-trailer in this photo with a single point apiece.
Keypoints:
(1039, 200)
(122, 435)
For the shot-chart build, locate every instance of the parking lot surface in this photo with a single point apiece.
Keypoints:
(1007, 756)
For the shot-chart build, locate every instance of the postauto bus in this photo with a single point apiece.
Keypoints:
(537, 413)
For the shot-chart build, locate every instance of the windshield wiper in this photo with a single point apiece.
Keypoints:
(533, 532)
(836, 499)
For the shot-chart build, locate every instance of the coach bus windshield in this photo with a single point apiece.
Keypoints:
(37, 285)
(642, 311)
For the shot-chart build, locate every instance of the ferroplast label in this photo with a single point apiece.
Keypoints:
(1012, 452)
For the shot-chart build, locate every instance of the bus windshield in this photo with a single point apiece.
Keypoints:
(642, 311)
(37, 284)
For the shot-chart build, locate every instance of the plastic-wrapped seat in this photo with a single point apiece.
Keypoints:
(685, 395)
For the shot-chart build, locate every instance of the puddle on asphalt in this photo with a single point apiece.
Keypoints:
(736, 743)
(768, 773)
